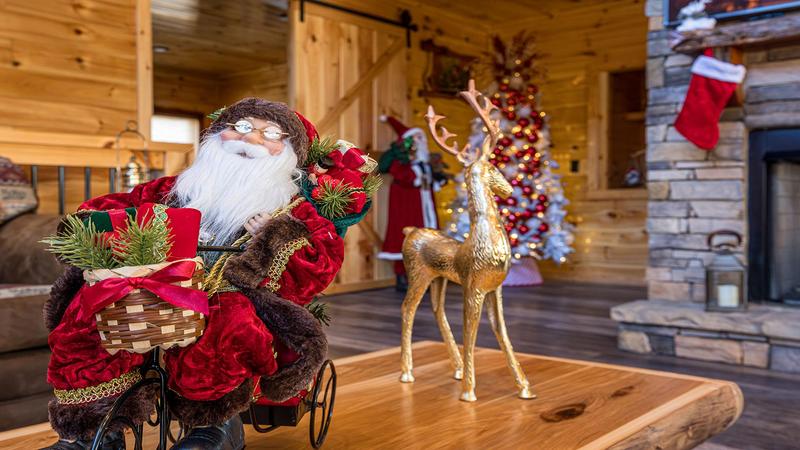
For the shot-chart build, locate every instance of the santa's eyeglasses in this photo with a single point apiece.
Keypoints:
(270, 132)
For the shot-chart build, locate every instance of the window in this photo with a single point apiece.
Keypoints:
(175, 129)
(617, 133)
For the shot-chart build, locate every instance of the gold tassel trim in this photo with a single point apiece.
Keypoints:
(92, 393)
(281, 260)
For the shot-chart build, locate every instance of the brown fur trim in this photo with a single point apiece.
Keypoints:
(301, 332)
(196, 413)
(61, 295)
(276, 112)
(248, 269)
(81, 421)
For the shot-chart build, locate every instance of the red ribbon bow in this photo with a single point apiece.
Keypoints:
(351, 159)
(103, 293)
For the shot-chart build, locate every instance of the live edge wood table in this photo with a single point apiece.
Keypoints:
(580, 405)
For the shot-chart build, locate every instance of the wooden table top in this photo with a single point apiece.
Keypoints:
(579, 405)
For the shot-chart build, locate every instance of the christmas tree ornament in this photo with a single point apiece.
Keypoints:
(712, 84)
(479, 264)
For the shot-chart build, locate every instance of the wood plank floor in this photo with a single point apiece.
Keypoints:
(572, 321)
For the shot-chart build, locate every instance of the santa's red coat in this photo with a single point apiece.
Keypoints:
(405, 209)
(236, 344)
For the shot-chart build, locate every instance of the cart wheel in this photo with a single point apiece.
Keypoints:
(324, 386)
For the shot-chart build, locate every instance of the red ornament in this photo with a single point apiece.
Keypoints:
(511, 201)
(515, 182)
(531, 89)
(495, 101)
(509, 227)
(505, 142)
(511, 100)
(539, 208)
(505, 158)
(524, 229)
(519, 135)
(533, 137)
(511, 115)
(537, 237)
(543, 227)
(527, 190)
(527, 214)
(542, 198)
(523, 122)
(513, 242)
(503, 87)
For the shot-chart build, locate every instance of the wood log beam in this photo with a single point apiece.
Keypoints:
(755, 32)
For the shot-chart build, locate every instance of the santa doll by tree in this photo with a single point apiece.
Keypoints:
(246, 179)
(411, 195)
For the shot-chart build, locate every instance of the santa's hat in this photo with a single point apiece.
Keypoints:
(301, 131)
(399, 128)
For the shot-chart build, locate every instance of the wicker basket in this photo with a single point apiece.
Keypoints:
(141, 321)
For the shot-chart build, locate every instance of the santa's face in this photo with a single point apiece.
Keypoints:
(256, 133)
(420, 147)
(233, 179)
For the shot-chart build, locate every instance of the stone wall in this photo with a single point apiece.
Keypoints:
(693, 192)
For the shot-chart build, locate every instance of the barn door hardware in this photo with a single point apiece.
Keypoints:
(405, 22)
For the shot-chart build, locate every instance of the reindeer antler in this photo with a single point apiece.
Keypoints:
(481, 105)
(441, 138)
(474, 97)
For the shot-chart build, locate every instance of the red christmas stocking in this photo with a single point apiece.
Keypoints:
(712, 84)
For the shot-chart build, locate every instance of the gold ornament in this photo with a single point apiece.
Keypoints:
(479, 264)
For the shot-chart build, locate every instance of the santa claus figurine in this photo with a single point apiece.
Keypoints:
(411, 199)
(245, 179)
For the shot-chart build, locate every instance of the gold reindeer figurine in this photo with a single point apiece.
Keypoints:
(479, 264)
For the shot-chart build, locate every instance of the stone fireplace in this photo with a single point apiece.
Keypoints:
(750, 183)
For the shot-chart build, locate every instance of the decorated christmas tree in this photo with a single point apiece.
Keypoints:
(534, 214)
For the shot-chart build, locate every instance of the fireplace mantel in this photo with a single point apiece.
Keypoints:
(733, 34)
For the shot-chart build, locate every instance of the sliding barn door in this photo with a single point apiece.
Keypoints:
(345, 72)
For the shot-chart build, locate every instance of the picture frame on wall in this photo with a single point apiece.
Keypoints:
(729, 9)
(446, 72)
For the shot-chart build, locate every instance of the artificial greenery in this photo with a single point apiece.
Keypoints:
(320, 149)
(142, 245)
(319, 311)
(82, 246)
(333, 199)
(215, 115)
(372, 183)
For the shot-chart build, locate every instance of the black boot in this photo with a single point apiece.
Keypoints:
(228, 436)
(113, 440)
(402, 283)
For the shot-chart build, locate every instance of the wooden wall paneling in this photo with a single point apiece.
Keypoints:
(269, 82)
(88, 87)
(186, 92)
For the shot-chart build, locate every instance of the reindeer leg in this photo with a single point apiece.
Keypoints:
(438, 294)
(498, 322)
(473, 303)
(416, 289)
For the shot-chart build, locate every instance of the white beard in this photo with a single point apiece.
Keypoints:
(229, 189)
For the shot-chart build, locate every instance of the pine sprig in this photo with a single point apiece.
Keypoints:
(372, 183)
(142, 245)
(319, 311)
(81, 245)
(334, 199)
(320, 149)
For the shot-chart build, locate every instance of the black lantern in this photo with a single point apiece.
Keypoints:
(726, 277)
